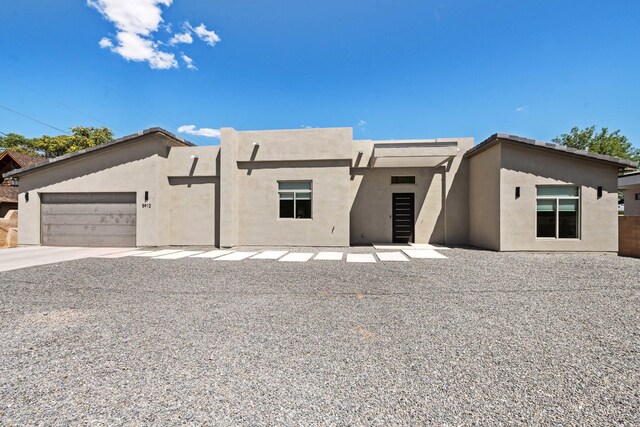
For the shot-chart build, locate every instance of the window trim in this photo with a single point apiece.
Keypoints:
(557, 200)
(310, 192)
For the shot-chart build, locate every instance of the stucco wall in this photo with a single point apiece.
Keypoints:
(527, 168)
(484, 199)
(192, 185)
(129, 167)
(258, 204)
(249, 211)
(631, 205)
(441, 197)
(371, 204)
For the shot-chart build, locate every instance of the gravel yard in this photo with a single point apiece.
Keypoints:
(480, 338)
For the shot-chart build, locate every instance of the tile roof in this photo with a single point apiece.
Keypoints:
(497, 137)
(23, 159)
(8, 193)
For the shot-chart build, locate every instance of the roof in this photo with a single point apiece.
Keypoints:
(526, 142)
(129, 138)
(630, 174)
(8, 193)
(629, 180)
(22, 159)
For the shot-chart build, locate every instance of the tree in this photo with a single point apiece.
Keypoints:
(601, 142)
(53, 146)
(16, 142)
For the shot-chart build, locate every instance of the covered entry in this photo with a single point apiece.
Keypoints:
(88, 219)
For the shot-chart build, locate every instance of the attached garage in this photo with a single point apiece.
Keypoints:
(88, 219)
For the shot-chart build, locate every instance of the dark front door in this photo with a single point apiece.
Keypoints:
(403, 217)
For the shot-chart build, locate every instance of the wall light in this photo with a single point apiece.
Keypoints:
(146, 196)
(599, 192)
(26, 197)
(517, 192)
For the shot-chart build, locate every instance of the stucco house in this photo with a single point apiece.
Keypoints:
(320, 187)
(11, 160)
(630, 184)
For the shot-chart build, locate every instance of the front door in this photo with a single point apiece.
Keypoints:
(403, 209)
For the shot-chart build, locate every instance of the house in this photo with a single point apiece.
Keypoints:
(630, 184)
(320, 187)
(11, 160)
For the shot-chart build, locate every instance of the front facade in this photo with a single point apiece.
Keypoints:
(319, 187)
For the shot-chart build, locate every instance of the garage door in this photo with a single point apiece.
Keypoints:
(88, 219)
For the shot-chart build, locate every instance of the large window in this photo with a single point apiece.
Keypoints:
(295, 199)
(558, 212)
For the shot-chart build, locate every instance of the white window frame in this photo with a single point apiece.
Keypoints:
(557, 200)
(310, 192)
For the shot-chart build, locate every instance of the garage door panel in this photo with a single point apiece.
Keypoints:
(74, 198)
(88, 219)
(93, 230)
(112, 241)
(82, 208)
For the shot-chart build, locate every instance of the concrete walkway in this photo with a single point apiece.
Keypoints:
(30, 256)
(16, 258)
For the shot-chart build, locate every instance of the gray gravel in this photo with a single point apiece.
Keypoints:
(481, 338)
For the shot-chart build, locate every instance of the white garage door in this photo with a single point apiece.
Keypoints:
(88, 219)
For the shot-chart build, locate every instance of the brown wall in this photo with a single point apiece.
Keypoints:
(629, 236)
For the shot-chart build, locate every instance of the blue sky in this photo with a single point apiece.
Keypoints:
(390, 69)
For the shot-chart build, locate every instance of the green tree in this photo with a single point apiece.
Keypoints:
(16, 142)
(601, 142)
(53, 146)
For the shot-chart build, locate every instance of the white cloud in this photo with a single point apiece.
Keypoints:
(189, 62)
(105, 43)
(191, 130)
(362, 123)
(136, 21)
(181, 38)
(209, 37)
(132, 16)
(133, 47)
(521, 109)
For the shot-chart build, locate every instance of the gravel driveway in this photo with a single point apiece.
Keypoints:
(480, 338)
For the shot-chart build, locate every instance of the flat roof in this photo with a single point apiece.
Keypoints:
(526, 142)
(629, 180)
(128, 138)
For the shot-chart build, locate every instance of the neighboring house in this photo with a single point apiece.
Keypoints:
(320, 187)
(11, 160)
(630, 185)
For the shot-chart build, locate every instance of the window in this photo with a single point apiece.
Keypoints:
(637, 196)
(558, 212)
(295, 199)
(403, 179)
